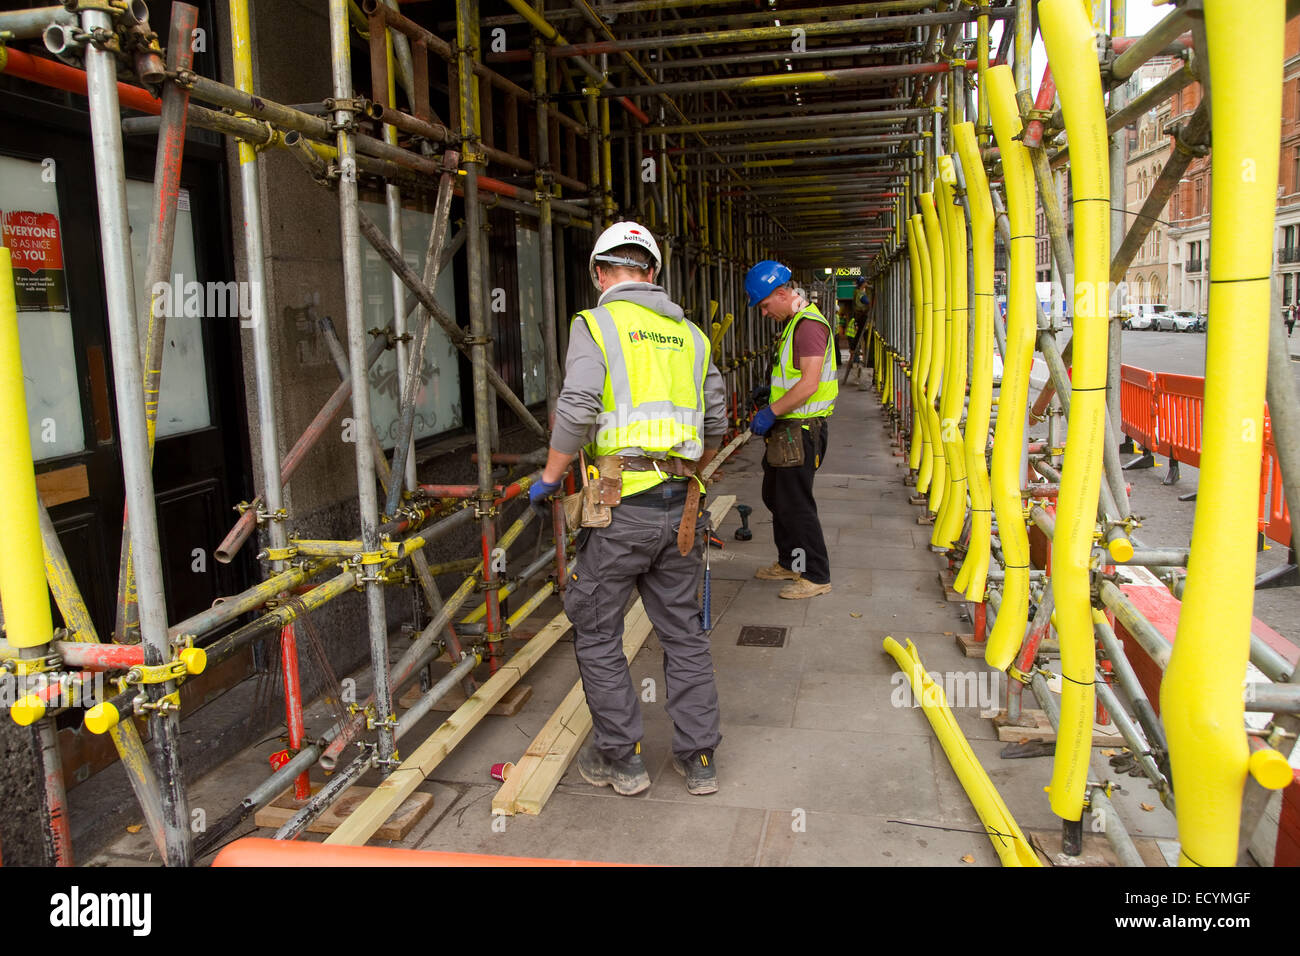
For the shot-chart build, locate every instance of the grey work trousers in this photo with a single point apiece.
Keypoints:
(639, 548)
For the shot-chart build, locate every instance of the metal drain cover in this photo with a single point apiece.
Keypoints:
(751, 636)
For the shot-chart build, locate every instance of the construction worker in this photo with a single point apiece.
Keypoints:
(796, 424)
(642, 395)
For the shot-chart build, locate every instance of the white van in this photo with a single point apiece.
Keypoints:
(1142, 315)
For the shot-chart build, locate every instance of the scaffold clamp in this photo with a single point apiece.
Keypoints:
(27, 666)
(278, 554)
(264, 516)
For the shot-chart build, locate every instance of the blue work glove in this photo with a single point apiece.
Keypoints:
(763, 421)
(538, 492)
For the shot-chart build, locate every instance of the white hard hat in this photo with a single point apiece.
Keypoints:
(623, 234)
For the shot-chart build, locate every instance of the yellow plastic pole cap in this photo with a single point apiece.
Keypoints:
(1270, 769)
(27, 710)
(1121, 549)
(195, 658)
(102, 718)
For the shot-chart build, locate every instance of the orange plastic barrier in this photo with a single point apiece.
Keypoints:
(1179, 401)
(1137, 402)
(1274, 518)
(1162, 413)
(255, 851)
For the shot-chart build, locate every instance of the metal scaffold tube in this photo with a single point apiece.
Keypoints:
(367, 498)
(110, 178)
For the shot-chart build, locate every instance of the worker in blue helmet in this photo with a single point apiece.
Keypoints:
(796, 425)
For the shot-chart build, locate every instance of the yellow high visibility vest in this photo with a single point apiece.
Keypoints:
(785, 373)
(653, 401)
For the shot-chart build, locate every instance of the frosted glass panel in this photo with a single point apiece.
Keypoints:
(183, 401)
(529, 262)
(30, 227)
(437, 407)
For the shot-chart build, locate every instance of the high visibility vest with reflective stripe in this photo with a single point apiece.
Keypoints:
(785, 373)
(653, 401)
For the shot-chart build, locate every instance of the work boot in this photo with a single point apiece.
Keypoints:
(701, 776)
(628, 776)
(774, 572)
(803, 588)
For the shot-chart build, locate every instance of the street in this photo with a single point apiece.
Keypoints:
(1167, 521)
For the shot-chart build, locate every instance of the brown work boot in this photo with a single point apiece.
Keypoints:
(774, 572)
(803, 588)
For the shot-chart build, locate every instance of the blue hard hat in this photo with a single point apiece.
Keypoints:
(763, 279)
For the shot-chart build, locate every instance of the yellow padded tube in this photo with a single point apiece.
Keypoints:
(938, 346)
(1009, 433)
(1009, 842)
(926, 474)
(1072, 52)
(975, 567)
(1200, 697)
(952, 515)
(22, 559)
(918, 320)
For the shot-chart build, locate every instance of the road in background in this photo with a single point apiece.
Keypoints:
(1167, 521)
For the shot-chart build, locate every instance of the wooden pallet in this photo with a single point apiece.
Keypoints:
(538, 771)
(282, 809)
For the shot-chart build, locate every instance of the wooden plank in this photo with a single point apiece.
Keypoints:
(538, 787)
(401, 783)
(538, 771)
(507, 706)
(283, 808)
(62, 485)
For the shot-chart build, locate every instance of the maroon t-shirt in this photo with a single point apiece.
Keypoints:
(809, 339)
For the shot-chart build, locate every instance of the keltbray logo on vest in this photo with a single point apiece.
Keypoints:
(641, 335)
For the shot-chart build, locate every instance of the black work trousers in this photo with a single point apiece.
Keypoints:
(788, 494)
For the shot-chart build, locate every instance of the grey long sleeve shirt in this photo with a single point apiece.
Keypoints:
(580, 400)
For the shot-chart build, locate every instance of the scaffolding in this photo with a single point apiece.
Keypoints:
(906, 144)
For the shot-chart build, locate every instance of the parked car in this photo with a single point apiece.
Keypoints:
(1142, 315)
(1180, 321)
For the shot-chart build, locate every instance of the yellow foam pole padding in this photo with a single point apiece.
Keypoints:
(922, 376)
(1009, 842)
(713, 309)
(22, 558)
(918, 305)
(1072, 52)
(1269, 767)
(1013, 397)
(938, 346)
(1200, 698)
(981, 378)
(952, 515)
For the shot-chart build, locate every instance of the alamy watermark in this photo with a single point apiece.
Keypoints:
(56, 690)
(206, 300)
(982, 689)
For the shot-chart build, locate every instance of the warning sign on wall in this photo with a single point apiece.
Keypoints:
(37, 254)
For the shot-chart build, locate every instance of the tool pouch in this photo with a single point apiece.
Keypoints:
(611, 480)
(573, 509)
(785, 444)
(595, 514)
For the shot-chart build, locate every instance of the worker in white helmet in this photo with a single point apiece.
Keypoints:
(642, 395)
